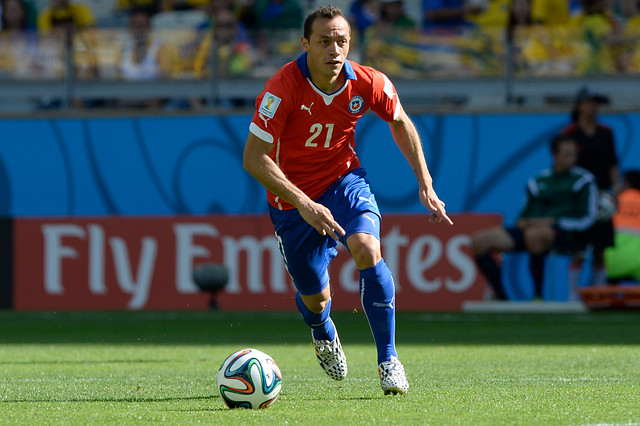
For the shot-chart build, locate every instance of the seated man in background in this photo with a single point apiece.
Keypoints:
(561, 204)
(622, 261)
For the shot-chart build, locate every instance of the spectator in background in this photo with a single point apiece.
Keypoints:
(63, 15)
(13, 16)
(526, 39)
(363, 14)
(271, 23)
(145, 56)
(156, 6)
(394, 16)
(392, 41)
(482, 46)
(542, 40)
(214, 6)
(276, 14)
(596, 153)
(550, 12)
(65, 25)
(561, 205)
(630, 10)
(622, 261)
(234, 57)
(629, 56)
(18, 44)
(449, 16)
(125, 6)
(494, 15)
(178, 5)
(600, 30)
(29, 15)
(520, 16)
(233, 46)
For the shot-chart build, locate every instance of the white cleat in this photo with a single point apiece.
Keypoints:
(393, 379)
(331, 358)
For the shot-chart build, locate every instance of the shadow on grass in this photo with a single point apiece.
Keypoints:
(199, 410)
(358, 398)
(98, 400)
(83, 362)
(287, 328)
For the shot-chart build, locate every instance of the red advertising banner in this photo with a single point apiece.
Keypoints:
(147, 262)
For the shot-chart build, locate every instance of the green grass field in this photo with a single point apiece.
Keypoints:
(470, 369)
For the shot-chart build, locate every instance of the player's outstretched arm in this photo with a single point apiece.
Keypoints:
(406, 135)
(257, 162)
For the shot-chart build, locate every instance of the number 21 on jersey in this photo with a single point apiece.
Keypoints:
(316, 130)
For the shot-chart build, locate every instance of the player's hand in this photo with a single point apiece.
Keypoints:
(321, 219)
(431, 201)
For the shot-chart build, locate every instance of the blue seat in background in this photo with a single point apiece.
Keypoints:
(519, 284)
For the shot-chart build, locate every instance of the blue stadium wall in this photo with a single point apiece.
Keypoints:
(193, 165)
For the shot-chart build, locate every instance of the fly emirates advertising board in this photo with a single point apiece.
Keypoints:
(139, 263)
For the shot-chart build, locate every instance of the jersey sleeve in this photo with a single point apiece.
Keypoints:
(272, 109)
(384, 97)
(530, 199)
(585, 206)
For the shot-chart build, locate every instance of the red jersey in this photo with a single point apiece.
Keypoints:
(314, 132)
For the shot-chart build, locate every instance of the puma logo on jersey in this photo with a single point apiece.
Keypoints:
(366, 199)
(263, 118)
(308, 108)
(372, 221)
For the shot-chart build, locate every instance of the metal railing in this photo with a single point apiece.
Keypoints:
(474, 68)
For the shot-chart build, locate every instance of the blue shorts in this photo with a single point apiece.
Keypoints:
(306, 253)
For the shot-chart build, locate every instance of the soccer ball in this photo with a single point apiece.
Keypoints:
(249, 378)
(606, 206)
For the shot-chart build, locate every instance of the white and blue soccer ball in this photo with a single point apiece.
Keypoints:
(606, 206)
(249, 378)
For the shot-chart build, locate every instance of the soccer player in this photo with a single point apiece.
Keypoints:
(301, 148)
(561, 206)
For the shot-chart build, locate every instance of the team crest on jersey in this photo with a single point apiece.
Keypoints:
(355, 104)
(269, 105)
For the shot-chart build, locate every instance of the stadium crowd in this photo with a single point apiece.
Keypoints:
(174, 39)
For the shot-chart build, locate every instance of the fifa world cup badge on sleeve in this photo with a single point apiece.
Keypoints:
(269, 105)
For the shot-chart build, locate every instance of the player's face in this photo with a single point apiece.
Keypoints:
(327, 47)
(566, 156)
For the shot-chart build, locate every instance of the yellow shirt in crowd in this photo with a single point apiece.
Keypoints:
(78, 14)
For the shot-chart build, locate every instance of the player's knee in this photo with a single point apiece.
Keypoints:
(317, 306)
(537, 245)
(366, 257)
(476, 245)
(481, 243)
(316, 303)
(365, 250)
(538, 241)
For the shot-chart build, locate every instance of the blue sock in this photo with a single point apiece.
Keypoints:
(377, 294)
(321, 324)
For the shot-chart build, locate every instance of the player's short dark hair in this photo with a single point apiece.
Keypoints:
(557, 140)
(632, 178)
(328, 12)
